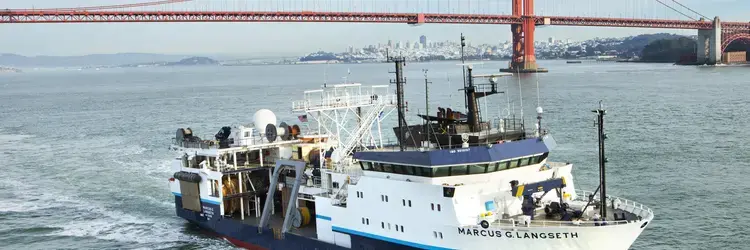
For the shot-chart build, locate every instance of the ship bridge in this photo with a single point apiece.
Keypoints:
(436, 166)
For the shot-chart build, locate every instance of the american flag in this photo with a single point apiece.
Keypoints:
(302, 118)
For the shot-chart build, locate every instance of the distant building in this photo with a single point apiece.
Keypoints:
(551, 40)
(423, 41)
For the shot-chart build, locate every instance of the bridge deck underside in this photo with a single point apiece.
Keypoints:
(71, 16)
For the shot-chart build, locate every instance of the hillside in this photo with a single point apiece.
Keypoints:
(668, 50)
(627, 47)
(14, 60)
(634, 46)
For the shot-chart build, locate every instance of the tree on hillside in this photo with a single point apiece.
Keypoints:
(668, 50)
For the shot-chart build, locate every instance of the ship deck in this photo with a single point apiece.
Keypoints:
(541, 219)
(627, 211)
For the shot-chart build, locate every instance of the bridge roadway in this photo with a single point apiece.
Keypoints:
(84, 16)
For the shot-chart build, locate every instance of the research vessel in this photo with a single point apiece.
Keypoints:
(331, 181)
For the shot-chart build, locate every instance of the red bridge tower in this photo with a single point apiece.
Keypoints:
(524, 58)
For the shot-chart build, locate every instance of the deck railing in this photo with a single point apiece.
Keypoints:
(626, 205)
(214, 144)
(343, 101)
(641, 211)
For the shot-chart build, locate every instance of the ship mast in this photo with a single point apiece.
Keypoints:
(427, 106)
(469, 91)
(400, 81)
(602, 159)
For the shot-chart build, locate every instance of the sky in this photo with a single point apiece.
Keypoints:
(289, 39)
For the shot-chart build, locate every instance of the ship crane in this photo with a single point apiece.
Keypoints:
(527, 190)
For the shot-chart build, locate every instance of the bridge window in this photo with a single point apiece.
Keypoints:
(409, 170)
(533, 160)
(398, 169)
(366, 165)
(458, 170)
(529, 161)
(441, 172)
(426, 172)
(493, 167)
(387, 168)
(377, 167)
(514, 164)
(504, 165)
(478, 169)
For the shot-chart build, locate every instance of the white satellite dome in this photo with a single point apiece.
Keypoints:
(262, 118)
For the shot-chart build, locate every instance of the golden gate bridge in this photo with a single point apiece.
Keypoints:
(714, 36)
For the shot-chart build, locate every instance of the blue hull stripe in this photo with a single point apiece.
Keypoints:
(210, 201)
(378, 237)
(322, 217)
(202, 200)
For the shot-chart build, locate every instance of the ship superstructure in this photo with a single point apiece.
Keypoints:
(333, 183)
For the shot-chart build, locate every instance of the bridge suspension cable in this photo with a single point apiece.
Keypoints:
(667, 5)
(675, 1)
(109, 7)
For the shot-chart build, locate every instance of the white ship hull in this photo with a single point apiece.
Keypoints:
(616, 237)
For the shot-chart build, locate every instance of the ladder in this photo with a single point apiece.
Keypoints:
(254, 202)
(363, 130)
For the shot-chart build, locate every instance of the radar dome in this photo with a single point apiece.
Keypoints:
(262, 118)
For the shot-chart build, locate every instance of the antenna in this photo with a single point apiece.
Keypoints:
(325, 75)
(463, 67)
(400, 81)
(539, 109)
(520, 95)
(427, 106)
(602, 158)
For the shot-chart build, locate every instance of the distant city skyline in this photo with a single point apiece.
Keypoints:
(282, 39)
